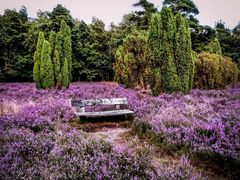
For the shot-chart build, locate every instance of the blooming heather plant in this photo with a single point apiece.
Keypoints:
(207, 122)
(184, 170)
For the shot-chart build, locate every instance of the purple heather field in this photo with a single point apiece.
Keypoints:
(37, 141)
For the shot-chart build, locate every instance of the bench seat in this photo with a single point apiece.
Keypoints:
(105, 113)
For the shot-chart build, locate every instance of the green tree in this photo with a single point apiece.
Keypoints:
(57, 69)
(15, 60)
(132, 60)
(62, 53)
(52, 39)
(214, 47)
(37, 61)
(99, 61)
(66, 46)
(155, 46)
(185, 7)
(65, 74)
(81, 42)
(142, 17)
(163, 50)
(46, 68)
(183, 54)
(59, 14)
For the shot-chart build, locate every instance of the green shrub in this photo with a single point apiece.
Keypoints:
(214, 71)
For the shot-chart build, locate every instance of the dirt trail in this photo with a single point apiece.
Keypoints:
(114, 136)
(121, 135)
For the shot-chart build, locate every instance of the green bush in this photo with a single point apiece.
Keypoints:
(132, 60)
(214, 71)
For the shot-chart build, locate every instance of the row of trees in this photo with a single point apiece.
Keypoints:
(94, 48)
(53, 59)
(160, 58)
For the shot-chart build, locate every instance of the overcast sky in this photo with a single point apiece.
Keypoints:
(109, 11)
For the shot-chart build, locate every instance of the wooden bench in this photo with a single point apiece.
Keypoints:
(81, 104)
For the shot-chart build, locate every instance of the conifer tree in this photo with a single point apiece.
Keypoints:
(169, 77)
(172, 59)
(52, 39)
(46, 68)
(57, 69)
(37, 60)
(66, 46)
(214, 47)
(183, 53)
(65, 74)
(131, 60)
(155, 46)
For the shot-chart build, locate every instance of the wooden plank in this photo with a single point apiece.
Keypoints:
(93, 102)
(105, 113)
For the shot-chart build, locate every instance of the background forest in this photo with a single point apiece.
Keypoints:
(94, 48)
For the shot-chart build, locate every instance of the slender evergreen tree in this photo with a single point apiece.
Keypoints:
(66, 46)
(57, 69)
(46, 67)
(169, 77)
(155, 46)
(37, 60)
(172, 59)
(65, 74)
(214, 47)
(183, 53)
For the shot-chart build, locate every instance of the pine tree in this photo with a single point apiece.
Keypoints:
(214, 47)
(183, 54)
(66, 46)
(155, 46)
(169, 78)
(172, 59)
(57, 69)
(65, 74)
(52, 39)
(57, 57)
(46, 68)
(37, 61)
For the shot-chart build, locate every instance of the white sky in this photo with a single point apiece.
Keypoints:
(109, 11)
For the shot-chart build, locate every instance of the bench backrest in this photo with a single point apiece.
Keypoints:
(93, 102)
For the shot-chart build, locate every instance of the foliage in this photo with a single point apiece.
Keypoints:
(230, 41)
(46, 68)
(99, 59)
(170, 42)
(37, 61)
(15, 61)
(214, 47)
(65, 74)
(59, 14)
(169, 77)
(142, 18)
(57, 57)
(132, 60)
(214, 71)
(66, 47)
(81, 41)
(186, 7)
(183, 54)
(94, 48)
